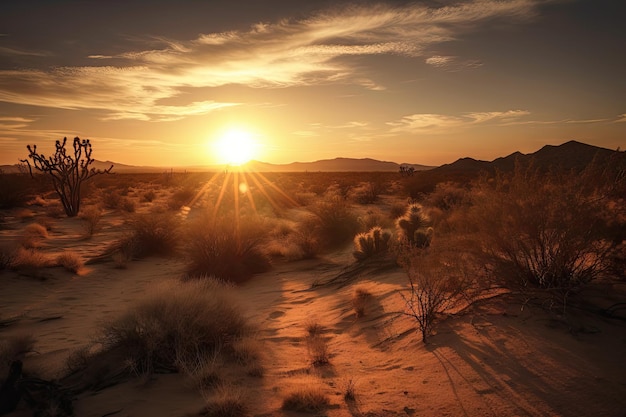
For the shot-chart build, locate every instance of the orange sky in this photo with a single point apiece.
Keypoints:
(401, 81)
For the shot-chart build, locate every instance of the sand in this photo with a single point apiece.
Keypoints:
(498, 358)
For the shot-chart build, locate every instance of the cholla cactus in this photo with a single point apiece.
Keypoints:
(375, 241)
(414, 228)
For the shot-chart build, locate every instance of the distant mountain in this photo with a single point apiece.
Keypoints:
(334, 165)
(570, 155)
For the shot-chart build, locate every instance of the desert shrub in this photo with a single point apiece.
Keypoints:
(373, 243)
(437, 281)
(91, 216)
(413, 227)
(334, 222)
(542, 230)
(367, 192)
(306, 399)
(71, 261)
(226, 400)
(215, 247)
(313, 327)
(360, 300)
(151, 234)
(181, 198)
(177, 323)
(149, 196)
(29, 261)
(373, 218)
(447, 196)
(128, 205)
(397, 210)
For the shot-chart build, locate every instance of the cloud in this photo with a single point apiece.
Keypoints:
(308, 51)
(452, 63)
(440, 123)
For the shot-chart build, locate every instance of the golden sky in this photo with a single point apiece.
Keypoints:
(154, 82)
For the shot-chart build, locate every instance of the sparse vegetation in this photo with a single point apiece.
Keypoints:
(71, 261)
(68, 172)
(543, 230)
(226, 400)
(217, 248)
(178, 323)
(371, 244)
(414, 227)
(92, 216)
(334, 222)
(308, 399)
(151, 234)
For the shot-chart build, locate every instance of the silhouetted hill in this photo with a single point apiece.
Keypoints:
(570, 155)
(334, 165)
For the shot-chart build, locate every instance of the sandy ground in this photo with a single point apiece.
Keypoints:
(499, 358)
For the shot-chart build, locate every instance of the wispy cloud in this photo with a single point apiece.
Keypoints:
(441, 123)
(452, 63)
(286, 53)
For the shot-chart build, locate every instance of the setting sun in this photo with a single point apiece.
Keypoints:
(235, 147)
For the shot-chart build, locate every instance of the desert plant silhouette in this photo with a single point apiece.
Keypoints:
(414, 228)
(68, 172)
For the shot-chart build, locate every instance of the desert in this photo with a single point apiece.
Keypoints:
(156, 300)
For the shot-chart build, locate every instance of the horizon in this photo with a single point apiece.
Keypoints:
(398, 81)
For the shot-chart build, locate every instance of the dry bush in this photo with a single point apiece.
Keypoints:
(92, 216)
(397, 210)
(439, 279)
(226, 400)
(334, 223)
(447, 196)
(308, 399)
(32, 236)
(177, 324)
(181, 198)
(148, 196)
(372, 244)
(71, 261)
(360, 301)
(366, 192)
(215, 247)
(313, 327)
(29, 261)
(543, 230)
(151, 234)
(204, 370)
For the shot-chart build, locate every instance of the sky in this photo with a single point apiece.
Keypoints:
(158, 82)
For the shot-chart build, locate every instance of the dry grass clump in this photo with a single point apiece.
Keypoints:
(32, 235)
(71, 261)
(248, 351)
(226, 400)
(92, 216)
(349, 393)
(215, 247)
(306, 399)
(176, 325)
(151, 234)
(360, 301)
(29, 261)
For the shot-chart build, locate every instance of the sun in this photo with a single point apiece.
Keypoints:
(235, 147)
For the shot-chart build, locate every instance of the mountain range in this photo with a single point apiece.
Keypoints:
(569, 155)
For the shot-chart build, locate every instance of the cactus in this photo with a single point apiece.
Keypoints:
(374, 242)
(413, 227)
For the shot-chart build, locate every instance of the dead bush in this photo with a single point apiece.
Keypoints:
(334, 223)
(91, 216)
(151, 234)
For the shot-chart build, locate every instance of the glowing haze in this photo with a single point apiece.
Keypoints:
(154, 82)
